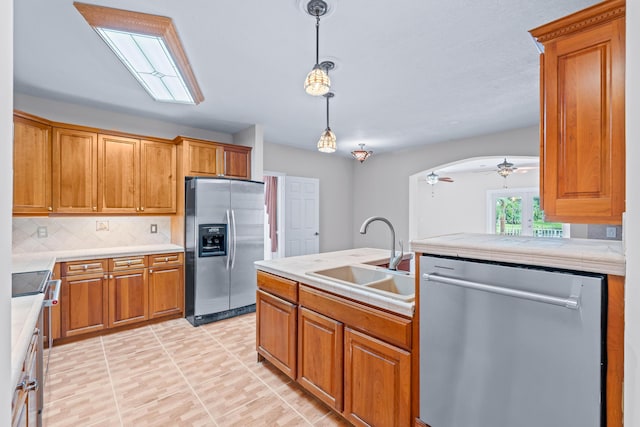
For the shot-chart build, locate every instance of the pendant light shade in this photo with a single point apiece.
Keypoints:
(317, 82)
(361, 155)
(327, 142)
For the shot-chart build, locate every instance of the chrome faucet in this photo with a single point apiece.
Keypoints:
(393, 259)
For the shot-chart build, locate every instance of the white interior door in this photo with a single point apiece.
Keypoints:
(301, 216)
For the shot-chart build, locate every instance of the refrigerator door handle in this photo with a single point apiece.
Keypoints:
(228, 240)
(235, 236)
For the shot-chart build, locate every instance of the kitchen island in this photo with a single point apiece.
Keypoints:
(584, 255)
(349, 347)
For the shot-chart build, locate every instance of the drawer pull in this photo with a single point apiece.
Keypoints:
(27, 384)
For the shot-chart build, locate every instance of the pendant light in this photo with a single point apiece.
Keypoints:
(361, 155)
(317, 82)
(327, 142)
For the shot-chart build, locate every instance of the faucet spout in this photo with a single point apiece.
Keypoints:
(393, 259)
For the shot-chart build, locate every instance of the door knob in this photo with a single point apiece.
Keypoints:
(316, 233)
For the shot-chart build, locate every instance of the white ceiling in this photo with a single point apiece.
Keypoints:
(408, 73)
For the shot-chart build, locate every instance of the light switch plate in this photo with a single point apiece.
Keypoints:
(154, 228)
(42, 232)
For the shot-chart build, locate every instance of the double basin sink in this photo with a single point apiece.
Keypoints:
(399, 285)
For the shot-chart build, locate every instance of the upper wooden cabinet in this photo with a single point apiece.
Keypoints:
(31, 165)
(206, 158)
(582, 148)
(75, 171)
(119, 174)
(157, 177)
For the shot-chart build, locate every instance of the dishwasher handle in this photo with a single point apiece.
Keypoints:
(573, 302)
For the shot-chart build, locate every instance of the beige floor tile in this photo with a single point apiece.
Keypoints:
(266, 410)
(230, 391)
(129, 343)
(175, 330)
(143, 361)
(142, 389)
(69, 356)
(85, 408)
(202, 368)
(179, 409)
(270, 375)
(74, 382)
(192, 346)
(332, 420)
(307, 405)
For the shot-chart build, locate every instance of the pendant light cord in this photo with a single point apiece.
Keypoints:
(317, 37)
(328, 128)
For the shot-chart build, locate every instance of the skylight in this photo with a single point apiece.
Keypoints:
(148, 45)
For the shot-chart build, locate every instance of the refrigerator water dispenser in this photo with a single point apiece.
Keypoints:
(213, 240)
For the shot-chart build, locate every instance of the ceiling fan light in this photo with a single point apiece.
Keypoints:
(505, 168)
(317, 82)
(327, 142)
(432, 178)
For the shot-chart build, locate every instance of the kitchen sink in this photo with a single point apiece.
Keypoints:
(398, 285)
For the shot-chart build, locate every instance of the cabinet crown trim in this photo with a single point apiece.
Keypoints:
(600, 13)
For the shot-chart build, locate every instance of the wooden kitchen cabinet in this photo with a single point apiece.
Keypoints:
(118, 174)
(201, 158)
(157, 177)
(276, 332)
(84, 297)
(75, 171)
(31, 165)
(237, 162)
(582, 148)
(320, 356)
(128, 291)
(166, 285)
(376, 387)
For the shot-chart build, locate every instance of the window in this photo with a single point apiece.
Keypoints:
(516, 212)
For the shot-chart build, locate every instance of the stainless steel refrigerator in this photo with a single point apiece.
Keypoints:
(224, 235)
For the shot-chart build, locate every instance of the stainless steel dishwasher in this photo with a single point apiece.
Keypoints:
(503, 345)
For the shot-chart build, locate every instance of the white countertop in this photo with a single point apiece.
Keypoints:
(45, 260)
(295, 268)
(597, 256)
(24, 317)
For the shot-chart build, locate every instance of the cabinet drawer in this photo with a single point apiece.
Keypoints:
(84, 267)
(127, 263)
(284, 288)
(160, 260)
(386, 326)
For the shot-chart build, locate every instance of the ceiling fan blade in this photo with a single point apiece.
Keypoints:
(445, 179)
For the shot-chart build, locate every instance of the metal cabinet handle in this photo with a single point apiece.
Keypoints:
(150, 271)
(95, 208)
(84, 267)
(573, 302)
(27, 384)
(50, 209)
(142, 209)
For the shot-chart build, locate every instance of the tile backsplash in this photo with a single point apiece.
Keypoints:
(40, 234)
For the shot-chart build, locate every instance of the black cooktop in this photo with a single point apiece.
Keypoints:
(32, 282)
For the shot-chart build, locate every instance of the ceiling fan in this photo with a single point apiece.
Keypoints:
(433, 178)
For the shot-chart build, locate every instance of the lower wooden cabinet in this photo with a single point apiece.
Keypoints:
(276, 332)
(377, 390)
(109, 293)
(166, 291)
(84, 304)
(128, 297)
(320, 350)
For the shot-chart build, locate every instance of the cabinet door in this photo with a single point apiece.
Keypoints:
(583, 150)
(119, 174)
(83, 305)
(31, 166)
(203, 159)
(158, 177)
(75, 171)
(128, 297)
(276, 332)
(166, 291)
(320, 350)
(377, 382)
(237, 162)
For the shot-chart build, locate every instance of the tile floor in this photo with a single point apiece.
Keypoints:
(172, 374)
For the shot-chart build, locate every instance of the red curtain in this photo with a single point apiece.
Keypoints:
(271, 202)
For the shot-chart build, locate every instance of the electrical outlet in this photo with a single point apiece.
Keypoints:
(42, 232)
(611, 232)
(154, 228)
(102, 225)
